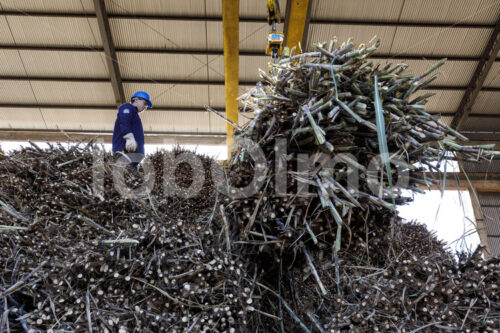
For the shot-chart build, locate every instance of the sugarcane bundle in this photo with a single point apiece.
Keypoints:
(334, 104)
(315, 178)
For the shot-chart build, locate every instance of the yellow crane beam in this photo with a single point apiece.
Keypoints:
(230, 27)
(296, 22)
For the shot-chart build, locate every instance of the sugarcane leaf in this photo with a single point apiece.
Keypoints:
(381, 136)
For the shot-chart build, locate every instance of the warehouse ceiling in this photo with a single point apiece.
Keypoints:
(56, 56)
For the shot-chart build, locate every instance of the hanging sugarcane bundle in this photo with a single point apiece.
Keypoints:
(341, 141)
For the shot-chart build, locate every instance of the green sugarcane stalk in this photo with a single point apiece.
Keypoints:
(356, 117)
(123, 241)
(11, 228)
(299, 56)
(320, 138)
(432, 69)
(324, 51)
(315, 273)
(295, 92)
(311, 233)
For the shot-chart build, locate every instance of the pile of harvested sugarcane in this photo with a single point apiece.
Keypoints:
(315, 180)
(76, 260)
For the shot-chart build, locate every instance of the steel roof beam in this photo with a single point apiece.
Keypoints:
(483, 68)
(230, 34)
(297, 18)
(109, 50)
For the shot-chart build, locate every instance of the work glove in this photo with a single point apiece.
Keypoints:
(131, 144)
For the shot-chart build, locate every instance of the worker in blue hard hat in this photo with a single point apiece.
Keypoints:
(128, 135)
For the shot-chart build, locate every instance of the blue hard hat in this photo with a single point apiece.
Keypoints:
(144, 95)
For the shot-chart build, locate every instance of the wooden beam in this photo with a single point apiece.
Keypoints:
(473, 189)
(458, 181)
(109, 50)
(483, 67)
(230, 31)
(297, 17)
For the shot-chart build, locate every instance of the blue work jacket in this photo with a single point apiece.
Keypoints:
(128, 121)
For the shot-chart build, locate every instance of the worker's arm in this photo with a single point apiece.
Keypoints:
(125, 119)
(125, 122)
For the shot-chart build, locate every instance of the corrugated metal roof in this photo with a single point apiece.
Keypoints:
(52, 6)
(217, 96)
(489, 198)
(475, 137)
(492, 218)
(16, 92)
(484, 166)
(10, 63)
(253, 36)
(103, 120)
(490, 205)
(53, 63)
(53, 31)
(248, 8)
(439, 41)
(217, 125)
(248, 67)
(164, 66)
(179, 34)
(481, 124)
(451, 11)
(447, 120)
(174, 95)
(361, 34)
(71, 119)
(487, 102)
(177, 121)
(164, 7)
(57, 92)
(6, 36)
(21, 118)
(64, 64)
(493, 78)
(494, 246)
(171, 34)
(386, 10)
(443, 101)
(216, 67)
